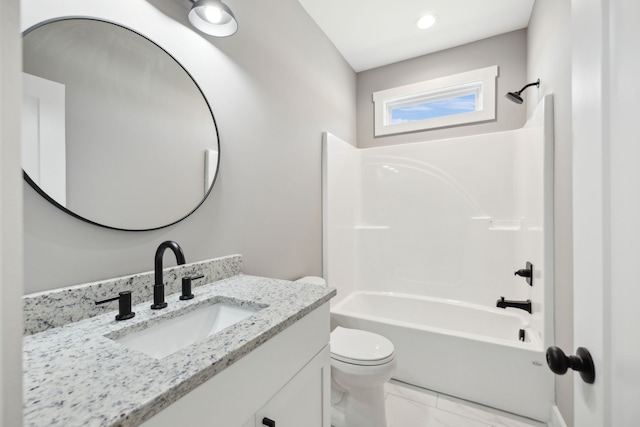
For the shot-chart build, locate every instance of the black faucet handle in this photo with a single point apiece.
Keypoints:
(186, 286)
(124, 305)
(526, 272)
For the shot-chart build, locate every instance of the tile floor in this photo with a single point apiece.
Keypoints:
(410, 406)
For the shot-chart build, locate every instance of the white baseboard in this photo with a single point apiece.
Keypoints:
(556, 419)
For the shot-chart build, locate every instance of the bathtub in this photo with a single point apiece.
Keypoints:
(456, 348)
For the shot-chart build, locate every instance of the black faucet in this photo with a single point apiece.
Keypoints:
(158, 287)
(522, 305)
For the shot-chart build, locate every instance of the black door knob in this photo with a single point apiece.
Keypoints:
(582, 362)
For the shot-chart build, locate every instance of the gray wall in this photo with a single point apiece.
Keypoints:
(281, 86)
(549, 58)
(508, 51)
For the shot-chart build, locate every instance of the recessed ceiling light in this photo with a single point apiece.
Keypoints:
(426, 21)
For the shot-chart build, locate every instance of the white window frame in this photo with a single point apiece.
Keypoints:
(481, 82)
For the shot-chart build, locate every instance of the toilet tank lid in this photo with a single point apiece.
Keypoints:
(356, 344)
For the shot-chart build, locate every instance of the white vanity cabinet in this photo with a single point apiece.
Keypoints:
(301, 401)
(286, 380)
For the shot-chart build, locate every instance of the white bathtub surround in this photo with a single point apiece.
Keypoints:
(51, 309)
(75, 376)
(440, 227)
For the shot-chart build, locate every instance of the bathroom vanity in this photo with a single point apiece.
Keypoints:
(272, 366)
(290, 372)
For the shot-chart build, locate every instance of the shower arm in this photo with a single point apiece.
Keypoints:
(537, 83)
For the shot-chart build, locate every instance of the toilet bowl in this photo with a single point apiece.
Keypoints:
(361, 363)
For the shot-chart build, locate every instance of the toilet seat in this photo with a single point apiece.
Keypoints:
(359, 347)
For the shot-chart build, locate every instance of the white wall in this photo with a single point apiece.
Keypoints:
(549, 59)
(10, 218)
(341, 194)
(273, 89)
(507, 51)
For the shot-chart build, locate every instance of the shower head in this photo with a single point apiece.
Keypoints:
(515, 96)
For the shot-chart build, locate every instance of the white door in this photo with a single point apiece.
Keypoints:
(43, 135)
(606, 152)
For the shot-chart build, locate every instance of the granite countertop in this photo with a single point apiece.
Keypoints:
(75, 376)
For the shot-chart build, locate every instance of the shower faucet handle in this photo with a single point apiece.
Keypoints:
(526, 272)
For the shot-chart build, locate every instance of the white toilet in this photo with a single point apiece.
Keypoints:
(361, 363)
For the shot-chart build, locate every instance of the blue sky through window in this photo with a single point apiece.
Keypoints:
(430, 110)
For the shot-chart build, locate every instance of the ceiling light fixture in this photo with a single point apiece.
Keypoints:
(426, 21)
(213, 17)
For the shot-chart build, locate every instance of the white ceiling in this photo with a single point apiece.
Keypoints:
(372, 33)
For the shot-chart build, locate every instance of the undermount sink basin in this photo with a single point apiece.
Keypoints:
(174, 334)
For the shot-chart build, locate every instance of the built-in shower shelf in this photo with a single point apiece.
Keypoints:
(371, 227)
(505, 224)
(499, 224)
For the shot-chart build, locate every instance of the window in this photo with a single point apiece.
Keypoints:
(459, 99)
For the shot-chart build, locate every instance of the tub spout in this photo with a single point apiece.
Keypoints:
(522, 305)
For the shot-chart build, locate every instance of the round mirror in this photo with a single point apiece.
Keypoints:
(115, 131)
